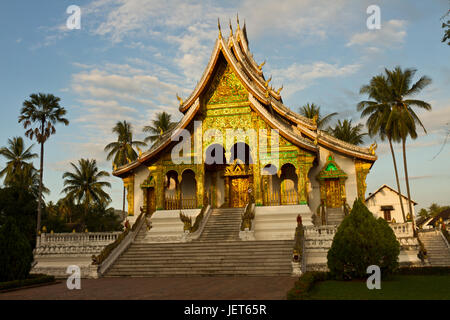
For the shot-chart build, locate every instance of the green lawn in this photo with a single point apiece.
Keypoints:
(403, 287)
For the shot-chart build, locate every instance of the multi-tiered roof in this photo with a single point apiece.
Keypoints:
(264, 99)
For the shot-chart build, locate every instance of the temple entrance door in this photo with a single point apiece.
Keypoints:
(151, 200)
(333, 189)
(239, 192)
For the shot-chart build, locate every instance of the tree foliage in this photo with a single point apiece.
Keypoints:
(123, 149)
(159, 126)
(19, 205)
(345, 131)
(311, 111)
(16, 254)
(360, 241)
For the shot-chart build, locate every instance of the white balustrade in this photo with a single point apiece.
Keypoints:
(402, 230)
(87, 243)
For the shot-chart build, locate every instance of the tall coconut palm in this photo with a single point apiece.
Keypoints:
(159, 126)
(403, 119)
(16, 156)
(345, 131)
(378, 111)
(39, 116)
(123, 149)
(311, 110)
(84, 184)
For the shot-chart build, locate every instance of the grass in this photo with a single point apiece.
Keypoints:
(399, 287)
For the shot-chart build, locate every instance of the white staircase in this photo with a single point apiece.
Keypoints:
(437, 250)
(218, 251)
(334, 216)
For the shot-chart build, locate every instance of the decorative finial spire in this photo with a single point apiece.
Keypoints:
(220, 31)
(279, 90)
(267, 82)
(231, 29)
(179, 99)
(237, 20)
(261, 65)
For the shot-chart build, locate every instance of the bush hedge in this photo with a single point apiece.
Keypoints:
(360, 241)
(16, 254)
(33, 279)
(305, 283)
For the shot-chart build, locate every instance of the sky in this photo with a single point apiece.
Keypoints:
(130, 58)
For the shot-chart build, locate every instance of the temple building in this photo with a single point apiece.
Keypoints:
(284, 162)
(225, 191)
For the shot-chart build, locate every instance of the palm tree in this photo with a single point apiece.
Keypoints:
(84, 184)
(312, 111)
(345, 131)
(28, 178)
(159, 126)
(378, 111)
(39, 115)
(122, 150)
(16, 156)
(403, 119)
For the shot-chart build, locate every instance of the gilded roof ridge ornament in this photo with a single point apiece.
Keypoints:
(261, 65)
(179, 99)
(220, 31)
(279, 90)
(237, 20)
(266, 84)
(231, 28)
(314, 120)
(373, 147)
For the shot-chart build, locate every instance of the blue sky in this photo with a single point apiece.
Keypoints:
(130, 58)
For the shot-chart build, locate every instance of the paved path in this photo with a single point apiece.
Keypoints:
(192, 288)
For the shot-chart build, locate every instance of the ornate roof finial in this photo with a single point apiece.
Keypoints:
(314, 119)
(267, 82)
(179, 99)
(373, 147)
(237, 20)
(231, 29)
(279, 90)
(261, 65)
(220, 31)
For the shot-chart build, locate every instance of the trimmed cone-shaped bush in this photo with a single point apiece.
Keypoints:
(16, 254)
(360, 241)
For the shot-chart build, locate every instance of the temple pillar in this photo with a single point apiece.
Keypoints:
(128, 183)
(160, 190)
(200, 179)
(362, 168)
(227, 191)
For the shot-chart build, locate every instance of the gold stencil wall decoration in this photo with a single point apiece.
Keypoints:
(129, 186)
(225, 87)
(362, 168)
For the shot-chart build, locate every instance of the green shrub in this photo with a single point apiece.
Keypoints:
(305, 283)
(423, 271)
(33, 279)
(16, 254)
(360, 241)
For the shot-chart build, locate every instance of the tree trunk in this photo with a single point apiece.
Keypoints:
(407, 183)
(41, 175)
(398, 181)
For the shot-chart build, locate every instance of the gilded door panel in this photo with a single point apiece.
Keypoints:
(333, 189)
(239, 192)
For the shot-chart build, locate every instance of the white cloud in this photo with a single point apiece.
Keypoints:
(301, 76)
(392, 33)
